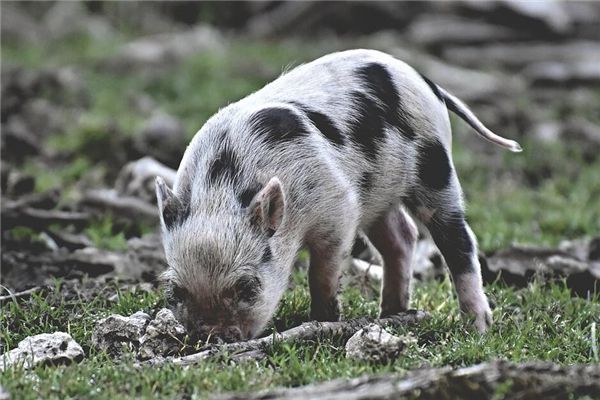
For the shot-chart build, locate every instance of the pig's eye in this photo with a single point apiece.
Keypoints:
(247, 289)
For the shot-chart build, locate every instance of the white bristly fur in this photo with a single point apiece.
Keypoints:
(217, 240)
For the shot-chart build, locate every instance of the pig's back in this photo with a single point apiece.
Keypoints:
(347, 121)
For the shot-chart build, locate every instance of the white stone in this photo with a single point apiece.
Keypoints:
(116, 331)
(163, 336)
(373, 343)
(46, 348)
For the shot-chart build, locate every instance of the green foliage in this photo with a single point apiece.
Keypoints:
(559, 199)
(22, 233)
(541, 322)
(80, 49)
(543, 195)
(62, 176)
(66, 310)
(101, 232)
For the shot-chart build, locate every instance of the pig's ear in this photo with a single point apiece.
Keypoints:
(268, 206)
(170, 208)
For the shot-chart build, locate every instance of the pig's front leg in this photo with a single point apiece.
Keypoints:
(329, 251)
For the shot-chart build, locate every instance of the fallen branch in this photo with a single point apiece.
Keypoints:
(19, 295)
(253, 349)
(40, 219)
(125, 206)
(374, 272)
(137, 176)
(533, 381)
(45, 200)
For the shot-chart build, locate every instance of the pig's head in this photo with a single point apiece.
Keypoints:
(225, 272)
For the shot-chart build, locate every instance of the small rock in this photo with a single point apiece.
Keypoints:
(584, 134)
(521, 54)
(141, 103)
(582, 249)
(552, 13)
(428, 262)
(569, 74)
(136, 178)
(163, 336)
(145, 258)
(18, 142)
(20, 184)
(117, 333)
(374, 343)
(540, 18)
(163, 137)
(445, 30)
(548, 132)
(155, 52)
(46, 348)
(519, 264)
(70, 18)
(17, 25)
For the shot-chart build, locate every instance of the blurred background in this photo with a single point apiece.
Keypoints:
(89, 88)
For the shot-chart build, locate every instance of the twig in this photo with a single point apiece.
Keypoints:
(19, 295)
(39, 218)
(536, 380)
(253, 349)
(126, 206)
(375, 272)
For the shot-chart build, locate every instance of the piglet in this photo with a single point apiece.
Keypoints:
(355, 141)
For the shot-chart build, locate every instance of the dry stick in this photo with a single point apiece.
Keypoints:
(39, 218)
(373, 271)
(19, 295)
(126, 206)
(537, 380)
(307, 331)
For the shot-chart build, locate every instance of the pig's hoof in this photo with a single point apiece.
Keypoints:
(483, 319)
(389, 311)
(325, 311)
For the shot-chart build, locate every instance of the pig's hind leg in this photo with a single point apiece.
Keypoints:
(436, 200)
(395, 236)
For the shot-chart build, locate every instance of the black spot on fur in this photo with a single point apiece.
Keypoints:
(381, 86)
(174, 213)
(277, 124)
(455, 244)
(170, 216)
(224, 167)
(324, 124)
(434, 166)
(367, 128)
(267, 255)
(247, 195)
(434, 88)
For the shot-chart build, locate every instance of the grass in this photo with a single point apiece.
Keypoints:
(521, 200)
(541, 322)
(546, 194)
